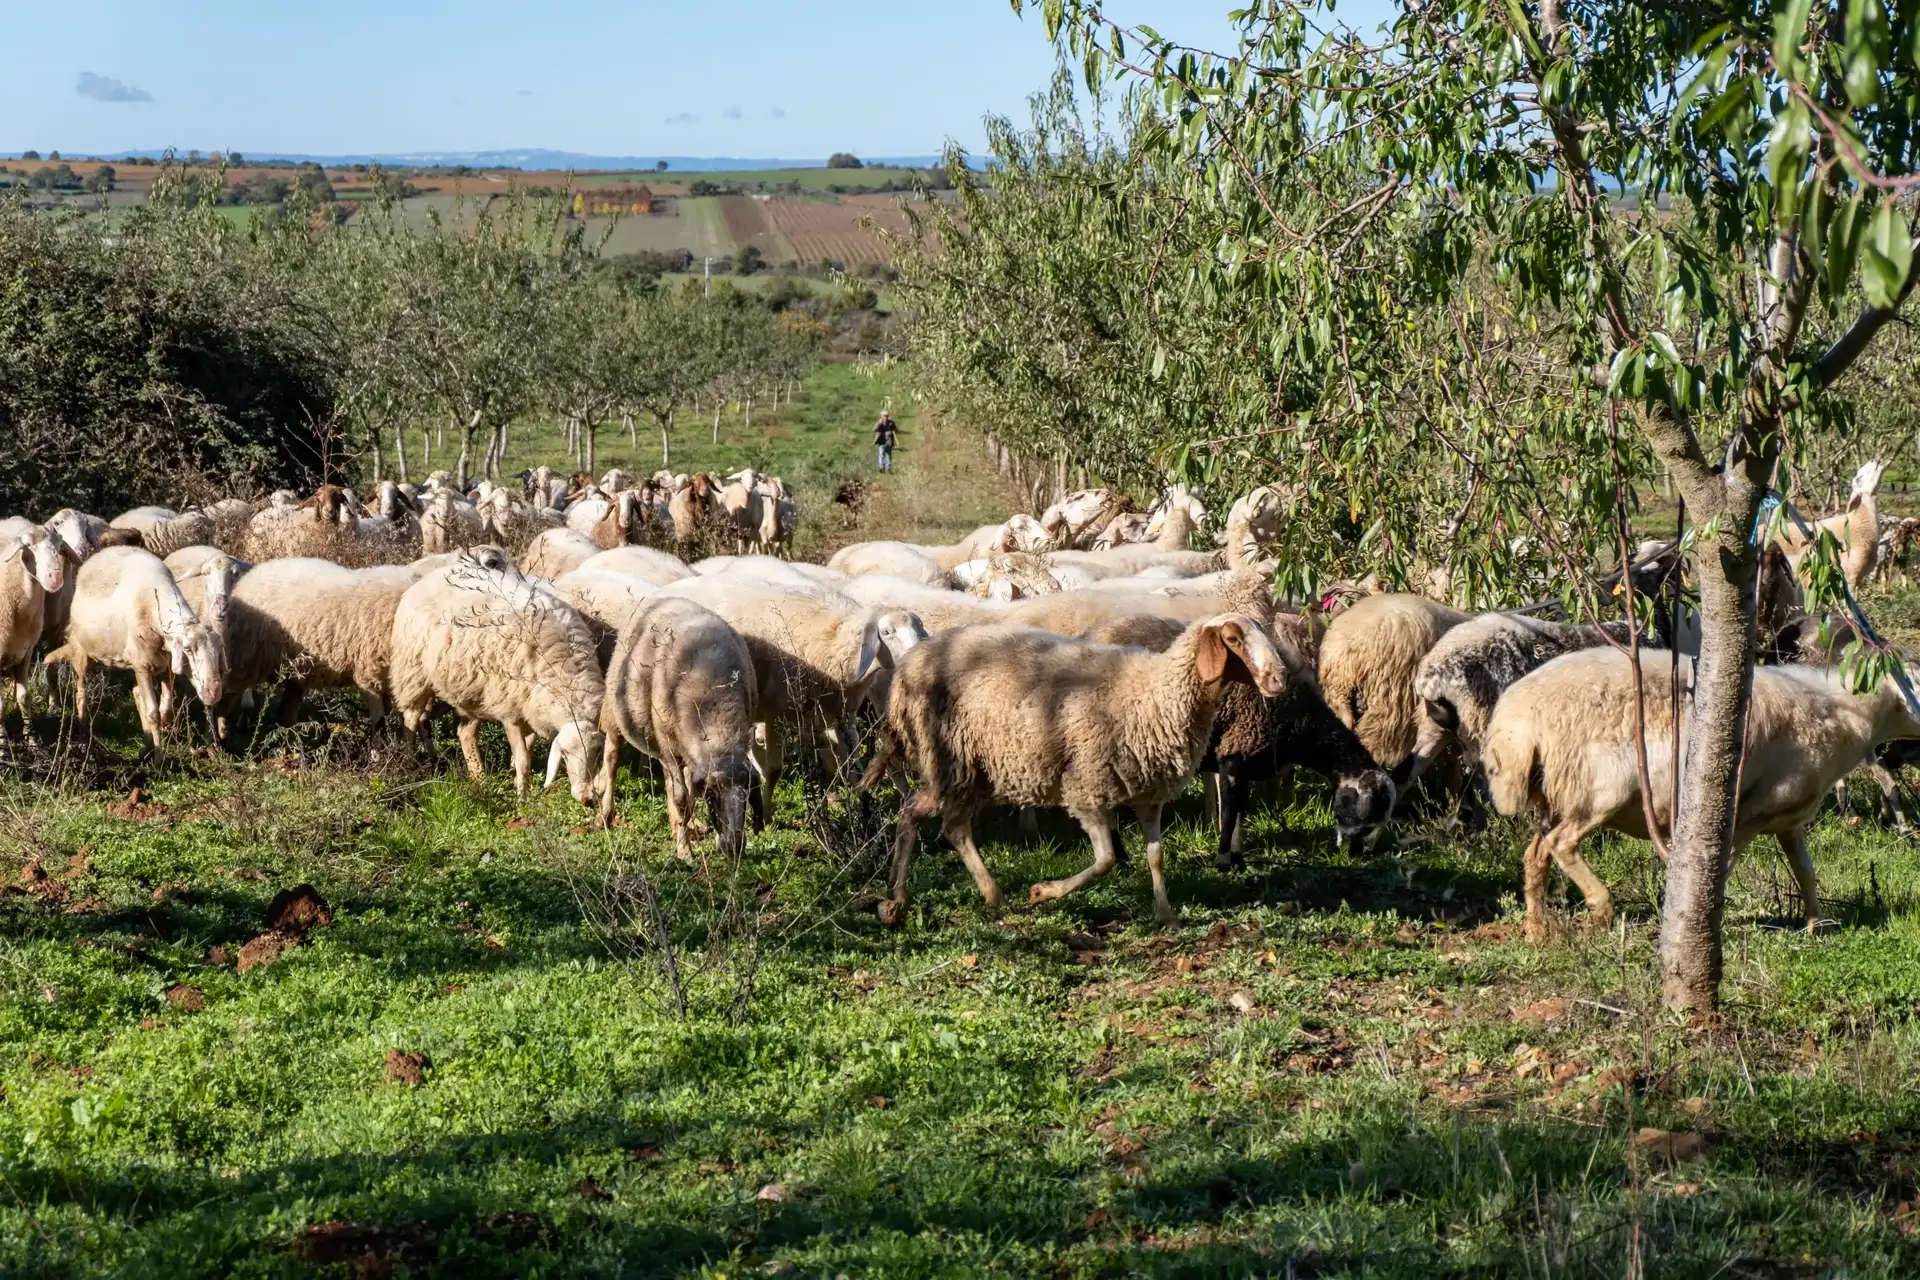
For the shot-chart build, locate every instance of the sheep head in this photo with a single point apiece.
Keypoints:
(1232, 646)
(1866, 482)
(200, 652)
(1024, 533)
(44, 556)
(574, 746)
(81, 537)
(1361, 804)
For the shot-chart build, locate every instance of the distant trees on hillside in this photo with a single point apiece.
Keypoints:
(844, 160)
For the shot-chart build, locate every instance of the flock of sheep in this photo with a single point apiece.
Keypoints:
(1087, 660)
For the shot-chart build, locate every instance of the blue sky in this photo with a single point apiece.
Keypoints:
(787, 78)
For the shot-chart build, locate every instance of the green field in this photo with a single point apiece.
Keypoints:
(481, 1065)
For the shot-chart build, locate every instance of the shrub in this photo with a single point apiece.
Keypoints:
(843, 160)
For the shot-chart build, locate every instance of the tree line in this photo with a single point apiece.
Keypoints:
(171, 354)
(1468, 290)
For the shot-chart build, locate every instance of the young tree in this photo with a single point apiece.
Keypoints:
(1482, 155)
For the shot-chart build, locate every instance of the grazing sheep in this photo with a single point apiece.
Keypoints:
(682, 688)
(163, 531)
(1254, 523)
(1897, 540)
(612, 521)
(493, 645)
(819, 655)
(607, 599)
(553, 552)
(1367, 665)
(127, 612)
(33, 570)
(894, 559)
(1018, 716)
(312, 624)
(450, 523)
(938, 610)
(1074, 520)
(1856, 528)
(1461, 678)
(1561, 747)
(650, 563)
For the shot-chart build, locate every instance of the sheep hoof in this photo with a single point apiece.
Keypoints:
(892, 912)
(1167, 916)
(1037, 895)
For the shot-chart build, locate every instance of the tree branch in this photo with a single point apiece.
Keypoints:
(1849, 346)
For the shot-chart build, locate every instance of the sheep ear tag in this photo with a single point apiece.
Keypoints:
(869, 648)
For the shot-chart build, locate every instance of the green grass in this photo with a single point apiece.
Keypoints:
(1338, 1064)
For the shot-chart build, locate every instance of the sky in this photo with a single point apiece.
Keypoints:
(754, 78)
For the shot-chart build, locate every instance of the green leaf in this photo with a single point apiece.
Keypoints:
(1523, 27)
(1789, 30)
(1843, 244)
(1053, 11)
(1888, 258)
(1787, 145)
(1866, 49)
(1661, 343)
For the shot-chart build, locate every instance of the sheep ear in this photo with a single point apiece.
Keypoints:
(1210, 655)
(869, 648)
(554, 757)
(1853, 503)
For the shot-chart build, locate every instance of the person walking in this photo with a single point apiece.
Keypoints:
(885, 436)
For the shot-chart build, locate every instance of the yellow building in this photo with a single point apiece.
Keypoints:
(605, 201)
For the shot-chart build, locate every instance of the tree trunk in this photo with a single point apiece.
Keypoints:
(377, 476)
(586, 432)
(400, 452)
(466, 450)
(666, 445)
(749, 413)
(1702, 845)
(633, 432)
(718, 406)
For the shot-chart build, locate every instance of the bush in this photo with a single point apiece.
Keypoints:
(784, 292)
(844, 160)
(152, 362)
(748, 260)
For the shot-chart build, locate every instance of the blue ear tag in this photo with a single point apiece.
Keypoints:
(1768, 505)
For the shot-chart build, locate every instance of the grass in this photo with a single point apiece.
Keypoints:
(1338, 1064)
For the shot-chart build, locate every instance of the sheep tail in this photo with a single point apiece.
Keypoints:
(59, 655)
(1510, 758)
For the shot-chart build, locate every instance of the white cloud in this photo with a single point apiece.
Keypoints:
(107, 89)
(778, 113)
(684, 117)
(733, 113)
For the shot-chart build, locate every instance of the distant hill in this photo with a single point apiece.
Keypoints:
(542, 158)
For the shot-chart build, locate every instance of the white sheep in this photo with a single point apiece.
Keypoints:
(128, 612)
(1012, 715)
(33, 569)
(1074, 520)
(494, 645)
(895, 559)
(819, 656)
(557, 551)
(163, 530)
(312, 624)
(450, 523)
(1561, 748)
(607, 599)
(1367, 664)
(682, 688)
(650, 563)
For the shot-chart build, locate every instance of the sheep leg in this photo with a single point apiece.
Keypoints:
(958, 828)
(1029, 820)
(163, 702)
(609, 771)
(144, 703)
(1233, 801)
(27, 735)
(1534, 870)
(292, 697)
(1564, 845)
(518, 743)
(1099, 828)
(1149, 815)
(772, 755)
(1882, 776)
(678, 804)
(906, 836)
(1794, 845)
(469, 734)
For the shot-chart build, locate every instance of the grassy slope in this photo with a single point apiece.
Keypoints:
(1335, 1066)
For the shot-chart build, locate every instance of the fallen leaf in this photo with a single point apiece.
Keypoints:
(970, 962)
(1685, 1190)
(1241, 1001)
(1695, 1106)
(879, 1103)
(519, 824)
(774, 1193)
(1550, 1010)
